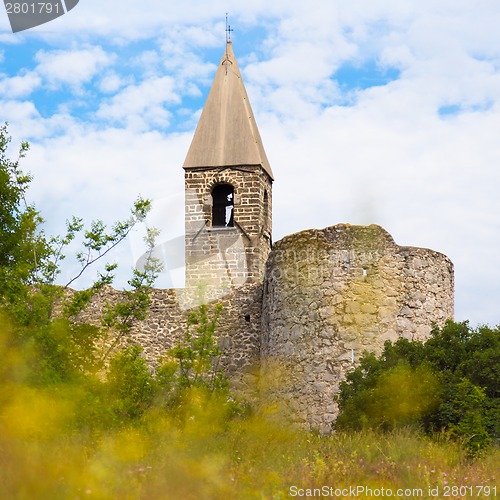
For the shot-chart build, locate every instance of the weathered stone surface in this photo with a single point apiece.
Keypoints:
(367, 290)
(238, 332)
(228, 256)
(327, 296)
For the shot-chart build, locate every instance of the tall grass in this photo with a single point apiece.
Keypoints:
(206, 455)
(68, 440)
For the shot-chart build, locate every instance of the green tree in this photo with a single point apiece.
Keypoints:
(61, 347)
(197, 355)
(24, 251)
(130, 384)
(463, 412)
(448, 383)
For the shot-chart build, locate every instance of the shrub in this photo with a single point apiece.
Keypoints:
(449, 383)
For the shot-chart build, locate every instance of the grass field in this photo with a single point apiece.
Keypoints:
(43, 455)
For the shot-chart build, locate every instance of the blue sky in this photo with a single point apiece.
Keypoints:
(371, 111)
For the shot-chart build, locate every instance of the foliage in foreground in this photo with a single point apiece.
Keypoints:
(125, 436)
(61, 348)
(209, 454)
(447, 384)
(129, 433)
(77, 421)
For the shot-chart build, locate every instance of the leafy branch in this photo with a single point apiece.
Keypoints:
(97, 242)
(122, 316)
(197, 355)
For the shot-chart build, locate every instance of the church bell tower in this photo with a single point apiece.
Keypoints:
(228, 182)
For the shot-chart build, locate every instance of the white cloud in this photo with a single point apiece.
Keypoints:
(19, 114)
(99, 174)
(6, 37)
(179, 55)
(111, 82)
(148, 61)
(71, 67)
(142, 105)
(19, 86)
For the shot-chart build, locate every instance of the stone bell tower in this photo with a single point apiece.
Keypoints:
(228, 182)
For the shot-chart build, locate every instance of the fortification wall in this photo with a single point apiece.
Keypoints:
(331, 294)
(328, 295)
(238, 332)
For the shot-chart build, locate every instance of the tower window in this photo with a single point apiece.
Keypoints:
(222, 205)
(266, 210)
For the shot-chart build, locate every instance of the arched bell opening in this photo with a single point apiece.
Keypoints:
(223, 206)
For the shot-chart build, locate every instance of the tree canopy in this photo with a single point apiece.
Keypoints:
(104, 369)
(447, 384)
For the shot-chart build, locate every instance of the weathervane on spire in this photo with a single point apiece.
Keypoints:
(228, 29)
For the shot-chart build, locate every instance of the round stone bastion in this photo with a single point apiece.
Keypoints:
(331, 294)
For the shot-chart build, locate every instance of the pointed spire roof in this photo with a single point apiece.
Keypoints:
(227, 134)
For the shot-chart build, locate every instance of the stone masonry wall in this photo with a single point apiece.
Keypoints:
(331, 294)
(227, 256)
(238, 333)
(328, 295)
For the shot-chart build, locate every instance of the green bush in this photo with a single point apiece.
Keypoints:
(130, 384)
(449, 383)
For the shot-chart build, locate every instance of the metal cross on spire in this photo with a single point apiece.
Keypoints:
(228, 29)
